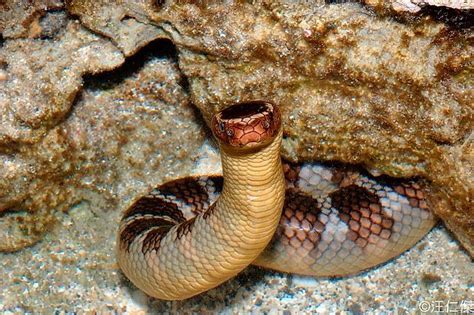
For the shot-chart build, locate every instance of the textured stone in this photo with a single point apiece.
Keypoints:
(21, 18)
(126, 24)
(125, 129)
(42, 78)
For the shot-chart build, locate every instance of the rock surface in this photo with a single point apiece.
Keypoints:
(43, 78)
(21, 18)
(355, 86)
(111, 146)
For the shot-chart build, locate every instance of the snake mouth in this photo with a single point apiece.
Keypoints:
(248, 124)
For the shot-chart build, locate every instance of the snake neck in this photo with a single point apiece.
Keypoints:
(253, 180)
(177, 262)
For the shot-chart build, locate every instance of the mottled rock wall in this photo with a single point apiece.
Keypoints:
(63, 142)
(356, 84)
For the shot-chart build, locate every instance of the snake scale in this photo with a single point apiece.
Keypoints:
(191, 234)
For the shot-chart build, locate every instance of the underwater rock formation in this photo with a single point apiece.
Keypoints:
(43, 78)
(106, 149)
(355, 85)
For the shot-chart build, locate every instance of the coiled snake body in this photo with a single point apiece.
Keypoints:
(191, 234)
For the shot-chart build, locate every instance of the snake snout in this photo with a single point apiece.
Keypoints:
(248, 124)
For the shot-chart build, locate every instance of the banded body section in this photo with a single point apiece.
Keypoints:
(173, 203)
(335, 221)
(338, 221)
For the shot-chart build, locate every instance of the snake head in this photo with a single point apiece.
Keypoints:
(249, 124)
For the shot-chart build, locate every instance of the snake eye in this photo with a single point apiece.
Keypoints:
(229, 132)
(266, 124)
(221, 127)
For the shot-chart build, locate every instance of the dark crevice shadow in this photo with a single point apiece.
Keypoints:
(186, 86)
(157, 49)
(198, 116)
(454, 18)
(14, 210)
(160, 48)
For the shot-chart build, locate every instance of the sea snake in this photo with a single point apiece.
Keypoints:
(191, 234)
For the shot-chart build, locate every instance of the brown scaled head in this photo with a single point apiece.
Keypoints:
(248, 124)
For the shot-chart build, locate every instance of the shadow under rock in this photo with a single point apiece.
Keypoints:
(454, 18)
(160, 48)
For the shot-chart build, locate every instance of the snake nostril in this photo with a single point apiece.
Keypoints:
(229, 132)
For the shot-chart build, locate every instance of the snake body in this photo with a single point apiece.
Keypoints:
(191, 234)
